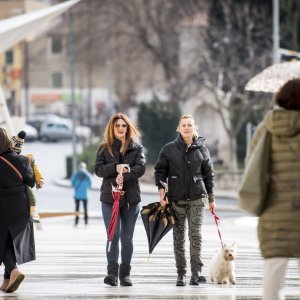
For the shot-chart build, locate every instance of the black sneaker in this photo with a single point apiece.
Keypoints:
(181, 280)
(196, 279)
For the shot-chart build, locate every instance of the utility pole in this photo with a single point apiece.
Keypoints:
(26, 80)
(276, 33)
(72, 86)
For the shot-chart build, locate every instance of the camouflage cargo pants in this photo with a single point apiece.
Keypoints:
(192, 211)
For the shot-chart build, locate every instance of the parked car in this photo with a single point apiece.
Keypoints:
(31, 133)
(62, 129)
(37, 120)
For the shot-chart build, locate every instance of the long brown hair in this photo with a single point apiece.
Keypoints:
(5, 141)
(109, 136)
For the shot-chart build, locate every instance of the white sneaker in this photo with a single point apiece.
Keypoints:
(35, 217)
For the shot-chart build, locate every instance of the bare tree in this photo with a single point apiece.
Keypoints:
(145, 39)
(239, 45)
(139, 43)
(290, 22)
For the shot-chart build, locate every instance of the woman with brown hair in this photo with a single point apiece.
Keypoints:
(16, 231)
(279, 224)
(119, 148)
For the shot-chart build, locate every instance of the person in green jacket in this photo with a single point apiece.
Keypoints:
(279, 224)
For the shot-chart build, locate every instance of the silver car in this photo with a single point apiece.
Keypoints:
(62, 130)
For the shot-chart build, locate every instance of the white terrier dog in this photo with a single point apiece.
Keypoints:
(222, 265)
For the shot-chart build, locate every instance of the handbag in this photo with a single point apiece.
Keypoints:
(254, 186)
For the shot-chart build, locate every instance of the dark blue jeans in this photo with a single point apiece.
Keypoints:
(124, 232)
(77, 204)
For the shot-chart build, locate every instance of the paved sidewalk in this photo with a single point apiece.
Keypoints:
(71, 264)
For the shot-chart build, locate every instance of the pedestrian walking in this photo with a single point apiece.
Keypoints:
(278, 226)
(81, 182)
(16, 229)
(186, 165)
(118, 150)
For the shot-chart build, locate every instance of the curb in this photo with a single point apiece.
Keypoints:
(150, 189)
(146, 187)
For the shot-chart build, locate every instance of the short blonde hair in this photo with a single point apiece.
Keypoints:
(195, 134)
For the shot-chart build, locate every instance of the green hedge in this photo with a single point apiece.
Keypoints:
(157, 121)
(88, 155)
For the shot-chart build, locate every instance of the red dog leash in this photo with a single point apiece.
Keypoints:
(216, 220)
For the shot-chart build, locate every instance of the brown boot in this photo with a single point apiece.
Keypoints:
(16, 277)
(4, 284)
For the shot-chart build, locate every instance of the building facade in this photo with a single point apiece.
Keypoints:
(12, 61)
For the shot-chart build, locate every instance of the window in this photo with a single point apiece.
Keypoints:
(56, 44)
(9, 57)
(57, 80)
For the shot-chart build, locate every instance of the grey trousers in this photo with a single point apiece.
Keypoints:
(192, 211)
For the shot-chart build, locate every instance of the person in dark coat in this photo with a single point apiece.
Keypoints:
(119, 148)
(186, 166)
(16, 230)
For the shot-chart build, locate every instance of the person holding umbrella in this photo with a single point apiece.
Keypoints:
(186, 165)
(117, 150)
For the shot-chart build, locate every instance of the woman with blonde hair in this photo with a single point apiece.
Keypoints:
(185, 164)
(119, 149)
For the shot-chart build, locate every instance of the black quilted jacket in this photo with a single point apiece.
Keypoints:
(105, 167)
(189, 171)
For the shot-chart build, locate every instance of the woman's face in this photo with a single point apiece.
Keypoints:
(186, 128)
(120, 129)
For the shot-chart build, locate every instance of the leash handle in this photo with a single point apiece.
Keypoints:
(216, 221)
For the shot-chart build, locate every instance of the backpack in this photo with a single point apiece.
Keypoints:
(253, 189)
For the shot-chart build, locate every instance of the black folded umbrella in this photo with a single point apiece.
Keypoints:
(158, 221)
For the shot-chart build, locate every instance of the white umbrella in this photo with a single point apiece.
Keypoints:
(271, 79)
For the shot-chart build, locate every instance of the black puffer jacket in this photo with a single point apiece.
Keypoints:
(105, 167)
(189, 171)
